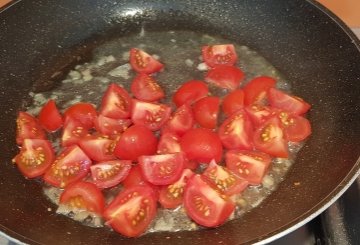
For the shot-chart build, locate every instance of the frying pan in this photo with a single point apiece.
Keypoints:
(41, 40)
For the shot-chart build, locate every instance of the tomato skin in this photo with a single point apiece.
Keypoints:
(256, 90)
(171, 196)
(205, 205)
(206, 111)
(249, 165)
(296, 128)
(269, 138)
(98, 149)
(142, 62)
(83, 195)
(49, 117)
(71, 165)
(116, 102)
(223, 54)
(35, 157)
(110, 126)
(284, 101)
(83, 113)
(224, 76)
(181, 121)
(189, 92)
(145, 88)
(169, 143)
(122, 212)
(135, 177)
(136, 141)
(162, 169)
(201, 145)
(110, 173)
(28, 127)
(233, 102)
(236, 131)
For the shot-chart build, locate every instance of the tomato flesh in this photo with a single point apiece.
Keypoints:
(73, 132)
(168, 143)
(284, 101)
(205, 205)
(145, 88)
(35, 157)
(224, 76)
(110, 173)
(71, 165)
(83, 195)
(233, 102)
(258, 114)
(83, 113)
(28, 127)
(181, 121)
(142, 62)
(49, 117)
(296, 128)
(249, 165)
(189, 92)
(97, 148)
(132, 210)
(110, 126)
(116, 103)
(223, 54)
(256, 90)
(206, 111)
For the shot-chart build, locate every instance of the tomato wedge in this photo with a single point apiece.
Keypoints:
(269, 138)
(136, 141)
(132, 210)
(233, 102)
(249, 165)
(171, 196)
(222, 54)
(201, 145)
(296, 128)
(49, 117)
(83, 195)
(83, 113)
(225, 76)
(256, 90)
(110, 126)
(169, 143)
(110, 173)
(142, 62)
(71, 165)
(116, 103)
(97, 148)
(28, 127)
(181, 121)
(290, 103)
(236, 131)
(205, 205)
(73, 132)
(145, 88)
(162, 169)
(35, 157)
(150, 115)
(189, 92)
(135, 177)
(206, 111)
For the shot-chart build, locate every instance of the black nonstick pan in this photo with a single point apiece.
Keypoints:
(41, 40)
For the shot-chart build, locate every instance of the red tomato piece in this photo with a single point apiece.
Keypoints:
(296, 128)
(249, 165)
(142, 62)
(136, 141)
(201, 145)
(189, 92)
(28, 127)
(287, 102)
(97, 148)
(223, 179)
(258, 113)
(236, 131)
(151, 115)
(83, 195)
(35, 157)
(110, 173)
(222, 54)
(233, 102)
(269, 138)
(73, 132)
(83, 113)
(225, 76)
(206, 111)
(135, 177)
(181, 121)
(205, 205)
(110, 126)
(256, 90)
(162, 169)
(116, 103)
(71, 165)
(49, 117)
(168, 143)
(132, 210)
(145, 88)
(171, 196)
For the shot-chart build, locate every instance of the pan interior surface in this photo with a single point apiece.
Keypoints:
(43, 40)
